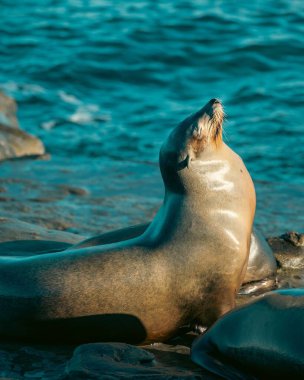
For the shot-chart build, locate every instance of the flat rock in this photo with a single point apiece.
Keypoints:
(14, 229)
(120, 361)
(288, 250)
(13, 141)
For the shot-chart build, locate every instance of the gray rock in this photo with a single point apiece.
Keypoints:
(13, 141)
(97, 361)
(294, 238)
(289, 250)
(119, 361)
(14, 229)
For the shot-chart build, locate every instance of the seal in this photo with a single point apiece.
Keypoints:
(261, 268)
(259, 277)
(261, 340)
(144, 289)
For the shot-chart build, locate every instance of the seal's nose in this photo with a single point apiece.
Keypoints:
(215, 101)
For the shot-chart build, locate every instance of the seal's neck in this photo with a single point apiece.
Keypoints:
(176, 218)
(218, 195)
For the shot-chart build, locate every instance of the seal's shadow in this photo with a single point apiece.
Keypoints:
(106, 327)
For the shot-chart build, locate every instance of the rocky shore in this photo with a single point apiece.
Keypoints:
(42, 207)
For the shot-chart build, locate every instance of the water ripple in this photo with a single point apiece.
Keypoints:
(97, 80)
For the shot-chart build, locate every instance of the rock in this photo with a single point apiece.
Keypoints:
(120, 361)
(289, 250)
(28, 362)
(13, 141)
(97, 361)
(290, 278)
(294, 238)
(14, 229)
(8, 109)
(116, 359)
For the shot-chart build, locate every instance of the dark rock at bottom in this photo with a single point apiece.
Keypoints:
(97, 361)
(120, 361)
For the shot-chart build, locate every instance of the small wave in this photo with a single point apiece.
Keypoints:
(48, 125)
(68, 98)
(87, 114)
(81, 116)
(25, 88)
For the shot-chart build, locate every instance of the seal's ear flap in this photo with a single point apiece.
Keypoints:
(185, 163)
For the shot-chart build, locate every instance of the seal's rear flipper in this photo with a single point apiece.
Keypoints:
(202, 355)
(31, 247)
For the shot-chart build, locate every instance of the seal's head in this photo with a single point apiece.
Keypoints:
(195, 137)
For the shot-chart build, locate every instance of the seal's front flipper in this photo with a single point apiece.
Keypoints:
(31, 247)
(113, 236)
(204, 356)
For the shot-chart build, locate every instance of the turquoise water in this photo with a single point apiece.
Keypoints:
(105, 81)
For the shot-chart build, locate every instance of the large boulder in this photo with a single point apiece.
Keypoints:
(13, 141)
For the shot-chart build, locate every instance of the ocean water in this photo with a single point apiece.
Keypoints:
(103, 82)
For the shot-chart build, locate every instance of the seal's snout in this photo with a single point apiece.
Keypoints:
(194, 134)
(215, 101)
(215, 105)
(212, 112)
(208, 122)
(212, 108)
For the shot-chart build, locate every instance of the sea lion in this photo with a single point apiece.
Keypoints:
(143, 289)
(262, 340)
(259, 277)
(261, 268)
